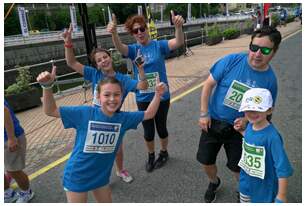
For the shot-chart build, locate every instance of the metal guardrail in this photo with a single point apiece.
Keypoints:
(56, 35)
(129, 64)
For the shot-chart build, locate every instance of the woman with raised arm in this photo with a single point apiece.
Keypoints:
(152, 53)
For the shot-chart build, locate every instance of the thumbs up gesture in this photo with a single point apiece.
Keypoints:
(46, 78)
(177, 20)
(160, 87)
(112, 25)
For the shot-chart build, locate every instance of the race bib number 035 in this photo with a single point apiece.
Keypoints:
(151, 78)
(101, 137)
(253, 160)
(234, 94)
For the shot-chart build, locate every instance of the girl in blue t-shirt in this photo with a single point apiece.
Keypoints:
(99, 133)
(104, 68)
(265, 167)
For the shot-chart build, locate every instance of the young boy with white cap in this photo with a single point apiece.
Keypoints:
(264, 164)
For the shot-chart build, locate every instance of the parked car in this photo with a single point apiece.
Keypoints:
(34, 32)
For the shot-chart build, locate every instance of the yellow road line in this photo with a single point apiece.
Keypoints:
(64, 158)
(290, 35)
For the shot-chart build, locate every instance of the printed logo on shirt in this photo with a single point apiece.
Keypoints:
(151, 79)
(234, 94)
(102, 137)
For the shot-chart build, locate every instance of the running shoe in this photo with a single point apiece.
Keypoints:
(24, 197)
(210, 194)
(125, 176)
(162, 159)
(10, 197)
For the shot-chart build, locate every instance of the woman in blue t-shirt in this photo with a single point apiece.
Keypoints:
(99, 133)
(153, 53)
(104, 68)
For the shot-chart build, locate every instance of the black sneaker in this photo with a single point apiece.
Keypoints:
(162, 159)
(150, 163)
(237, 196)
(210, 194)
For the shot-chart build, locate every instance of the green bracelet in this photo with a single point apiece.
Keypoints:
(47, 86)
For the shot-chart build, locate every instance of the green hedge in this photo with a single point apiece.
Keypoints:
(231, 33)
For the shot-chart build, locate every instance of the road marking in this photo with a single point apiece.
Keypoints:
(290, 35)
(64, 158)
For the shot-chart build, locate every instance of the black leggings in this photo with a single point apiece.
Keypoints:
(160, 120)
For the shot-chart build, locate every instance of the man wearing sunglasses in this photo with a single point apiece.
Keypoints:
(231, 77)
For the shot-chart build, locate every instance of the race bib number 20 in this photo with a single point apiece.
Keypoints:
(234, 94)
(102, 137)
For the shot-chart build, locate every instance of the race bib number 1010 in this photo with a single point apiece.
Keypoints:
(102, 137)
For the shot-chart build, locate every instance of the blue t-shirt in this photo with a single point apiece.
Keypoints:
(276, 161)
(98, 138)
(17, 127)
(154, 55)
(234, 76)
(95, 76)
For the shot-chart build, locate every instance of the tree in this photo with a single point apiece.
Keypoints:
(11, 23)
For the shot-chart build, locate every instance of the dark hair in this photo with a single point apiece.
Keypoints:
(134, 19)
(273, 34)
(97, 50)
(109, 80)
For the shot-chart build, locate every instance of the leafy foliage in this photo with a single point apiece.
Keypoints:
(214, 31)
(231, 33)
(22, 82)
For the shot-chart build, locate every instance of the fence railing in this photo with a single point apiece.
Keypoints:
(202, 31)
(56, 35)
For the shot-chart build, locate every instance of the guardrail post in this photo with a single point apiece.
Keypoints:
(57, 86)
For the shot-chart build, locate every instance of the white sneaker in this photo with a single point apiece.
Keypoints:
(9, 198)
(125, 176)
(24, 197)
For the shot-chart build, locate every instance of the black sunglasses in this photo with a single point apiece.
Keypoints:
(263, 50)
(141, 29)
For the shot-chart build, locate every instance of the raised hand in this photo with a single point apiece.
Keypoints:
(112, 25)
(160, 87)
(67, 35)
(46, 78)
(177, 20)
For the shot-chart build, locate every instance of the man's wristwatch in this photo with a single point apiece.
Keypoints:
(204, 114)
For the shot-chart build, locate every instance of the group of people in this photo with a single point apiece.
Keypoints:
(241, 82)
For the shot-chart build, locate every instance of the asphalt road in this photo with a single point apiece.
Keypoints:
(182, 179)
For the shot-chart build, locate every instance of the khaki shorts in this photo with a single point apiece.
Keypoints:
(15, 161)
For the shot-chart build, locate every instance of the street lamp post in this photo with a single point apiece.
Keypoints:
(103, 10)
(27, 14)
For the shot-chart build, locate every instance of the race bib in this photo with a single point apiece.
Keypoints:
(151, 78)
(102, 137)
(234, 94)
(253, 160)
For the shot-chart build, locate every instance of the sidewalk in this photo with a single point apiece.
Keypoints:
(48, 141)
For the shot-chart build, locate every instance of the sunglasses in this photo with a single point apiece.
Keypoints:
(263, 50)
(141, 29)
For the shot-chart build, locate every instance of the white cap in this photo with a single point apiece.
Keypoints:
(256, 99)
